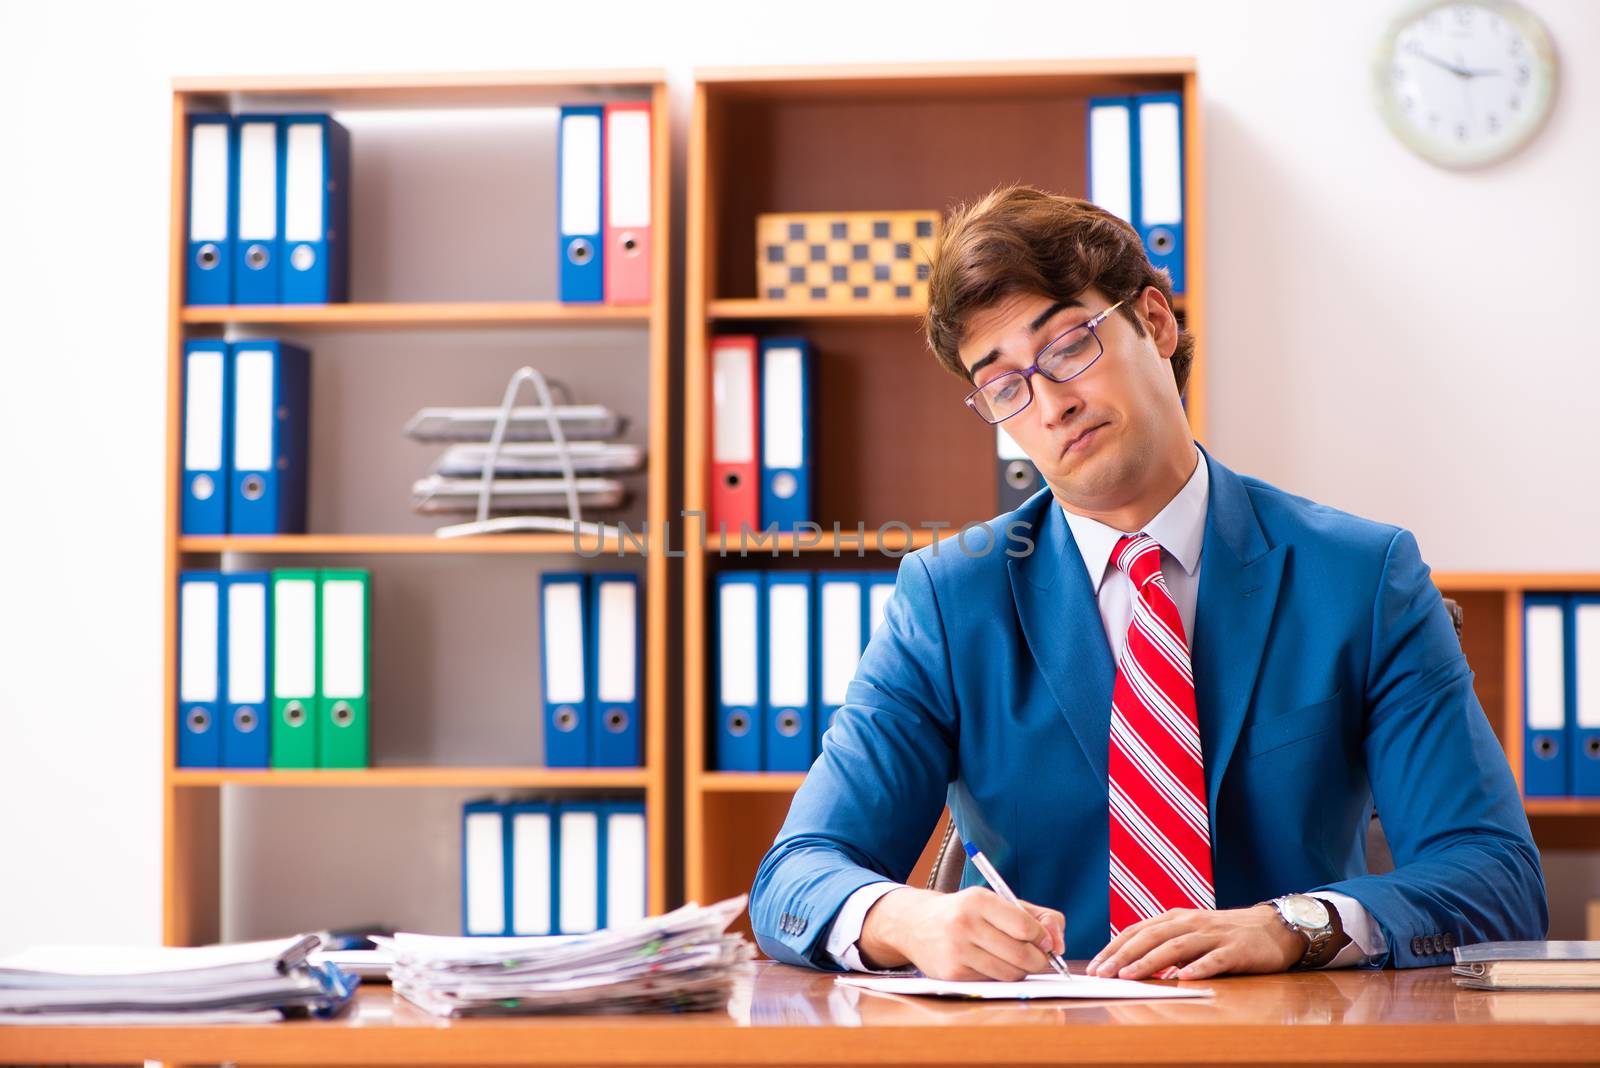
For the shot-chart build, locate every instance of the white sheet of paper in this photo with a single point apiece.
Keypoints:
(1034, 986)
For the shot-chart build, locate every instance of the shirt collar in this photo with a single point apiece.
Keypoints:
(1179, 528)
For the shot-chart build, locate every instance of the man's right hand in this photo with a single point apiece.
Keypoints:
(971, 934)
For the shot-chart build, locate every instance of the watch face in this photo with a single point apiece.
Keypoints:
(1304, 911)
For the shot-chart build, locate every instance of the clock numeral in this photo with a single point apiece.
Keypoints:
(1493, 123)
(1522, 74)
(1514, 103)
(1516, 45)
(1464, 14)
(1461, 131)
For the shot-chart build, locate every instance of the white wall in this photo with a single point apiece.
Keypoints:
(1387, 337)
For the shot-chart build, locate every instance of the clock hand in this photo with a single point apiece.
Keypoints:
(1436, 61)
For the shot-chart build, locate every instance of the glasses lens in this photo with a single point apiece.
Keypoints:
(1002, 397)
(1070, 355)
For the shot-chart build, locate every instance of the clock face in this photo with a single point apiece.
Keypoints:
(1465, 84)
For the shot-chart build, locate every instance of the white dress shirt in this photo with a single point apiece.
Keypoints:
(1179, 529)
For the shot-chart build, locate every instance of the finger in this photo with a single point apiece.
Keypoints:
(1120, 939)
(982, 960)
(1218, 962)
(1016, 922)
(1140, 943)
(1174, 951)
(1025, 957)
(1053, 922)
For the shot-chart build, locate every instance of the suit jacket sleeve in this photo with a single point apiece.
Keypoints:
(1466, 868)
(869, 803)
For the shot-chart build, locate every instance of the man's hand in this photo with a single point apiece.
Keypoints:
(971, 934)
(1198, 943)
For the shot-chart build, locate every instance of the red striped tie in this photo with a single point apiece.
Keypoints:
(1160, 837)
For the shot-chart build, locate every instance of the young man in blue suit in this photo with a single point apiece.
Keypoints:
(1168, 723)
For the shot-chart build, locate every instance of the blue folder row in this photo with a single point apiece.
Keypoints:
(1561, 694)
(591, 669)
(269, 210)
(788, 643)
(1136, 171)
(246, 424)
(545, 867)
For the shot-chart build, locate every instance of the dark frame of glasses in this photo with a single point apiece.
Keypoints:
(973, 399)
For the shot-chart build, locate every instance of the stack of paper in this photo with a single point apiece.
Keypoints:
(100, 984)
(1528, 966)
(682, 961)
(528, 472)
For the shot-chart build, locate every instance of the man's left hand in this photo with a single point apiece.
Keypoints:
(1199, 943)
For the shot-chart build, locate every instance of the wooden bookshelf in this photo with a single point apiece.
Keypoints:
(864, 138)
(427, 333)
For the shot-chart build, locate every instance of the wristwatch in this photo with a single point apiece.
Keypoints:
(1318, 921)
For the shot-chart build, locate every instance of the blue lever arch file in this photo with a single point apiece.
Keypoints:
(271, 424)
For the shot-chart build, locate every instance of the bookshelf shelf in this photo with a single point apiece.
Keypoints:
(369, 378)
(477, 778)
(416, 315)
(331, 544)
(737, 308)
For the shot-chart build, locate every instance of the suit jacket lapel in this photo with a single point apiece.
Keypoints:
(1061, 622)
(1239, 581)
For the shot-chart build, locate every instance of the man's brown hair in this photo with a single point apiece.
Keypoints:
(1019, 239)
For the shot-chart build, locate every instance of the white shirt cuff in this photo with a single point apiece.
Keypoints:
(1366, 938)
(846, 933)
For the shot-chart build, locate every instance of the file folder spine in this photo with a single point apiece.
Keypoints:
(1583, 656)
(271, 383)
(582, 854)
(785, 432)
(202, 661)
(1546, 694)
(624, 883)
(735, 436)
(485, 869)
(614, 728)
(580, 162)
(316, 210)
(207, 436)
(1113, 159)
(1158, 187)
(789, 718)
(841, 606)
(534, 851)
(345, 679)
(208, 278)
(567, 650)
(246, 719)
(627, 197)
(740, 670)
(296, 659)
(258, 210)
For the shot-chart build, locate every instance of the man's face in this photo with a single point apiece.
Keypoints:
(1097, 438)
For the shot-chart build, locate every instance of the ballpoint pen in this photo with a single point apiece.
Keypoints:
(998, 885)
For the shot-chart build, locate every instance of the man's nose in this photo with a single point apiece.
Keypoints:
(1058, 401)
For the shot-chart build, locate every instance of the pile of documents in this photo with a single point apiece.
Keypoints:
(680, 962)
(1528, 966)
(527, 473)
(247, 982)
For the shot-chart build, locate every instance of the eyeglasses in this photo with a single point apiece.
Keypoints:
(1068, 356)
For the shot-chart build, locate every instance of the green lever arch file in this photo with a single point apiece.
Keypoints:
(296, 648)
(346, 608)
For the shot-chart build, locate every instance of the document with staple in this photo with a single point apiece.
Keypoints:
(586, 422)
(1034, 986)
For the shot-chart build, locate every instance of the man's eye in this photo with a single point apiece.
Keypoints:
(1008, 390)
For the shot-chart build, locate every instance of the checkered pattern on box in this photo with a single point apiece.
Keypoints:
(845, 257)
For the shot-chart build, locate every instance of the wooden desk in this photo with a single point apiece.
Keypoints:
(786, 1015)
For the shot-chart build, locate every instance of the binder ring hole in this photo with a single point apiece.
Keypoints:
(1545, 747)
(294, 714)
(630, 243)
(202, 487)
(738, 724)
(253, 487)
(566, 720)
(255, 257)
(580, 251)
(785, 485)
(343, 715)
(303, 258)
(788, 724)
(1591, 747)
(1162, 240)
(208, 256)
(1019, 474)
(245, 720)
(199, 721)
(616, 721)
(731, 479)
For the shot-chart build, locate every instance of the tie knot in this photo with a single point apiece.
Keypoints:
(1139, 556)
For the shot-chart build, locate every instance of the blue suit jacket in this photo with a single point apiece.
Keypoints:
(1327, 675)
